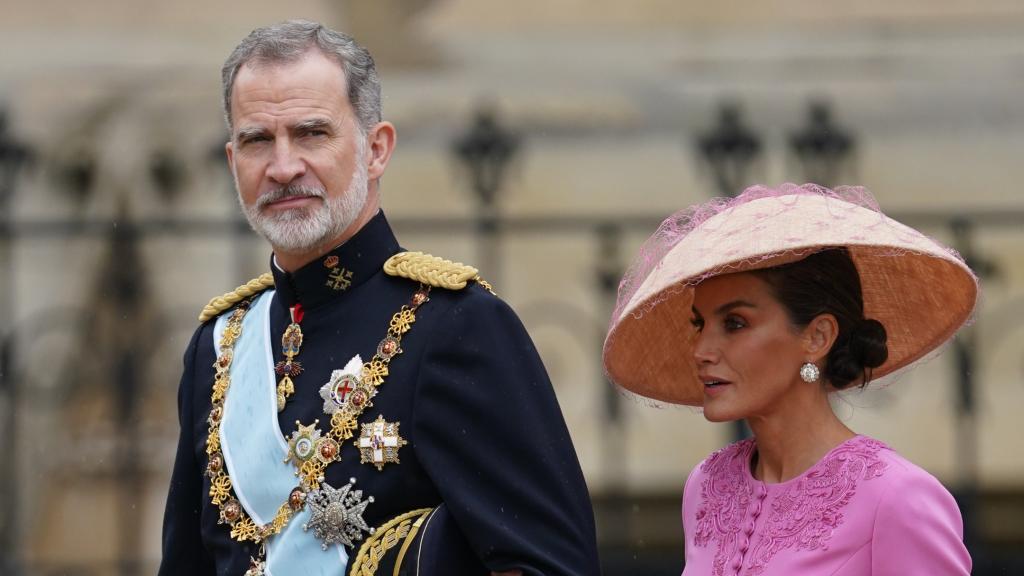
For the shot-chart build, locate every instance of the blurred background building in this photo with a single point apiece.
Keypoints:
(540, 140)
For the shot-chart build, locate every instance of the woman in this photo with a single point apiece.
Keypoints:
(758, 308)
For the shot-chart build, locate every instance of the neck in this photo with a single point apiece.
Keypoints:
(796, 437)
(292, 261)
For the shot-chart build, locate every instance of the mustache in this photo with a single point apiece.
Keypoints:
(290, 191)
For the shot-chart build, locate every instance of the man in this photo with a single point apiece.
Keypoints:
(377, 411)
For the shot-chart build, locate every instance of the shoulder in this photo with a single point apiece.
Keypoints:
(906, 495)
(917, 523)
(465, 296)
(910, 488)
(434, 271)
(228, 300)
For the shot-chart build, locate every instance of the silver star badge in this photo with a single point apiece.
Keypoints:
(337, 514)
(336, 393)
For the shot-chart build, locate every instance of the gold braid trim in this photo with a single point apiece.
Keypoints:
(229, 299)
(433, 271)
(385, 538)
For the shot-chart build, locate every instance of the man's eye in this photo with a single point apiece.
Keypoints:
(697, 323)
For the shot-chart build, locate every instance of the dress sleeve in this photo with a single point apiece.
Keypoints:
(490, 433)
(183, 550)
(918, 530)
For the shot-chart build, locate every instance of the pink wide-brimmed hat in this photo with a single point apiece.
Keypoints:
(921, 291)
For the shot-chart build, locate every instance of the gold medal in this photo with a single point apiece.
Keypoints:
(291, 343)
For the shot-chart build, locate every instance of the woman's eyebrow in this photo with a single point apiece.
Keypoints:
(729, 306)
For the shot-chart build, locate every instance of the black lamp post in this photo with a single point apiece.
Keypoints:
(168, 173)
(614, 514)
(729, 150)
(75, 176)
(965, 356)
(124, 360)
(486, 150)
(216, 158)
(14, 156)
(823, 149)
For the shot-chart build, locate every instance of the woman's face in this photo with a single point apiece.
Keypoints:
(748, 353)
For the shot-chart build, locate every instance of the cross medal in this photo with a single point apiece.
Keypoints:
(379, 443)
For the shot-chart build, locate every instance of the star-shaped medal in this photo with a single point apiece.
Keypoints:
(337, 514)
(379, 443)
(303, 442)
(346, 388)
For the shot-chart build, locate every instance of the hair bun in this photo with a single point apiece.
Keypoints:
(855, 353)
(868, 343)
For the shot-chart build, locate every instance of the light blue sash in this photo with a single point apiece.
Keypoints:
(254, 450)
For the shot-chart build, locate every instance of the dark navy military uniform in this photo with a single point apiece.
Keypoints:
(485, 434)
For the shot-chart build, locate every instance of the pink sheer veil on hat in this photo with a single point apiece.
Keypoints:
(920, 290)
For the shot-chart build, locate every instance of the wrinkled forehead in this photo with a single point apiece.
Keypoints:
(305, 87)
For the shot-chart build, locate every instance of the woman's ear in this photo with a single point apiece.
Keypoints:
(819, 335)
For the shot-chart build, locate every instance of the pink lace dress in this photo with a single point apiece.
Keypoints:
(861, 510)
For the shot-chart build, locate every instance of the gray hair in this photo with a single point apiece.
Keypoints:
(290, 40)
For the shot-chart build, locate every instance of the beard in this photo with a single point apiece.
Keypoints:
(306, 229)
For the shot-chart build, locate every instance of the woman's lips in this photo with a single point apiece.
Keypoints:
(713, 387)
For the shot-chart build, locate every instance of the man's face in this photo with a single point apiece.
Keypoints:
(298, 155)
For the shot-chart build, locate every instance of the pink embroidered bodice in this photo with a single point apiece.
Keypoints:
(861, 510)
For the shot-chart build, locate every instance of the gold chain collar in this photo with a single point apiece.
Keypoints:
(311, 472)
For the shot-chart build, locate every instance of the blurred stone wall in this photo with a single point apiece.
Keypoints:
(608, 98)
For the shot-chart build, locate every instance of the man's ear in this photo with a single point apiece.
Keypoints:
(381, 143)
(819, 336)
(229, 149)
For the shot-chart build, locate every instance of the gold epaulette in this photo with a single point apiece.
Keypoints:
(229, 299)
(433, 271)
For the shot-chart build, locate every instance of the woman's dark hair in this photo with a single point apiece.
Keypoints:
(827, 282)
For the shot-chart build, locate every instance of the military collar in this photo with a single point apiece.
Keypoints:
(339, 271)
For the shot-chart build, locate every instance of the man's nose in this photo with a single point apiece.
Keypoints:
(286, 165)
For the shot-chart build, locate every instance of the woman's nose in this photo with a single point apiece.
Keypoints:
(704, 350)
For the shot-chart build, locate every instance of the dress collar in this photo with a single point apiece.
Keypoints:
(338, 272)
